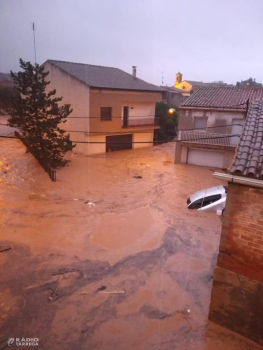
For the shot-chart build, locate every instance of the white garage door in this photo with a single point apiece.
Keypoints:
(205, 158)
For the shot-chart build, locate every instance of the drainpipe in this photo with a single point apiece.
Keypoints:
(239, 180)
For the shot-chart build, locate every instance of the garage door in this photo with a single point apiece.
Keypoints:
(205, 158)
(118, 142)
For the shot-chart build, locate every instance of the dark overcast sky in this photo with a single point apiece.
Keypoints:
(206, 40)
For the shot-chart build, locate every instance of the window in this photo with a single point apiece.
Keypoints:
(196, 205)
(105, 113)
(211, 199)
(200, 124)
(203, 202)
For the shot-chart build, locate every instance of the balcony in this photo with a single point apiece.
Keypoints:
(139, 121)
(205, 138)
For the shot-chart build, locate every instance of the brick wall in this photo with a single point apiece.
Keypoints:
(237, 291)
(241, 246)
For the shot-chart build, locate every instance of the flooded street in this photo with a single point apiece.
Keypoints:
(134, 265)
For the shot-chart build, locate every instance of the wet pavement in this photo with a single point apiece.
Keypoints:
(104, 259)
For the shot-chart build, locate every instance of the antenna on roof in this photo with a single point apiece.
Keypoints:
(162, 78)
(33, 28)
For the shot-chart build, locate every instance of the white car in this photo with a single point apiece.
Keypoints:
(210, 199)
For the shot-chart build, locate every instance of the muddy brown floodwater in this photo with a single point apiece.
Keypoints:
(130, 258)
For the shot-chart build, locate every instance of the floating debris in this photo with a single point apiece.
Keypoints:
(90, 203)
(137, 176)
(54, 294)
(106, 288)
(101, 288)
(4, 248)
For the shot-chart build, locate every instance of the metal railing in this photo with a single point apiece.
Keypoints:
(206, 138)
(134, 121)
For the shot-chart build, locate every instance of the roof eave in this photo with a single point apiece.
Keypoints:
(122, 89)
(227, 109)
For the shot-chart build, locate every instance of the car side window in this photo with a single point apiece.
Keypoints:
(211, 199)
(202, 202)
(196, 205)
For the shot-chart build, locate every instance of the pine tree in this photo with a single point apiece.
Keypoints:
(35, 112)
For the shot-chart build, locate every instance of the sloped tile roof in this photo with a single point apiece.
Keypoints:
(171, 89)
(223, 97)
(104, 77)
(248, 160)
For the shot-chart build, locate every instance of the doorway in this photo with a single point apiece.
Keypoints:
(125, 117)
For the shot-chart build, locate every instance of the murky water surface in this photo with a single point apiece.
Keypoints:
(129, 257)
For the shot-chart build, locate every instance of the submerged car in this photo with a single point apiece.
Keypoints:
(209, 199)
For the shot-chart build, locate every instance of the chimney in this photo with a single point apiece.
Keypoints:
(134, 71)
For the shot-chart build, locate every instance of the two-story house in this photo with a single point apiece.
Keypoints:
(210, 122)
(112, 109)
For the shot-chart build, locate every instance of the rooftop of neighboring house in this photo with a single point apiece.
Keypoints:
(248, 160)
(171, 89)
(223, 97)
(105, 77)
(196, 84)
(248, 82)
(200, 83)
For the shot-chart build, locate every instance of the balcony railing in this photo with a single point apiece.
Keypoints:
(205, 138)
(137, 121)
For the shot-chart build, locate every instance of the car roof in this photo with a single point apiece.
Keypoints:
(207, 192)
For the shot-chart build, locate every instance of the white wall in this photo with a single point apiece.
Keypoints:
(74, 92)
(143, 111)
(215, 118)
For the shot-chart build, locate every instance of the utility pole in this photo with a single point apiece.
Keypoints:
(33, 27)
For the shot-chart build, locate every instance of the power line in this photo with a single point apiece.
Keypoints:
(131, 126)
(161, 141)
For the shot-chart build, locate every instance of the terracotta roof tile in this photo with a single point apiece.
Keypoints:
(230, 97)
(248, 160)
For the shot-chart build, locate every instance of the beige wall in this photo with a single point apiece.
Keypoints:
(74, 92)
(95, 148)
(214, 118)
(143, 102)
(142, 137)
(99, 145)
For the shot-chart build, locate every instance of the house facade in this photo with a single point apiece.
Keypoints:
(112, 110)
(210, 122)
(237, 290)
